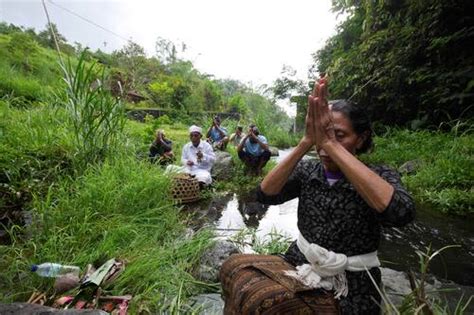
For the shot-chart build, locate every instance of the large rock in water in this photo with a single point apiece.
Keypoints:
(274, 151)
(212, 260)
(35, 309)
(223, 165)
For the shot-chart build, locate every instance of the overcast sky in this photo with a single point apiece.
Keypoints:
(247, 40)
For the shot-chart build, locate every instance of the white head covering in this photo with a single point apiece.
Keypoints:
(195, 128)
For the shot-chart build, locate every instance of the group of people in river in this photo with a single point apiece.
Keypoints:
(332, 267)
(198, 156)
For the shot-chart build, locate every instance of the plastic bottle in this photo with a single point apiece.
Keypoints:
(52, 270)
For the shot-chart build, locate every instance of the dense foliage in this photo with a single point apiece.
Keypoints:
(408, 62)
(28, 68)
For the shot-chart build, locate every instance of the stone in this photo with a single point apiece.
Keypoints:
(208, 304)
(274, 151)
(222, 166)
(410, 167)
(36, 309)
(396, 285)
(212, 259)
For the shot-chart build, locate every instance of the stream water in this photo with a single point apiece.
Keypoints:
(398, 245)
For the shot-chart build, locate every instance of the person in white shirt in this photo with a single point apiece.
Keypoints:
(198, 157)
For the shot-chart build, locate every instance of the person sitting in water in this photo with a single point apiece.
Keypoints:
(237, 136)
(253, 150)
(161, 149)
(198, 157)
(217, 135)
(343, 204)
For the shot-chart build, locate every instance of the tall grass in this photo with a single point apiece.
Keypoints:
(97, 117)
(120, 209)
(35, 149)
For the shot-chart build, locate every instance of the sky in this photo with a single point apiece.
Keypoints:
(246, 40)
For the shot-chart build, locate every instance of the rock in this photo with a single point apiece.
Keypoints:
(254, 208)
(274, 151)
(213, 258)
(66, 282)
(410, 167)
(222, 166)
(36, 309)
(208, 304)
(396, 285)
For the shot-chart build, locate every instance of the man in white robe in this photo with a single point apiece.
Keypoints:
(198, 157)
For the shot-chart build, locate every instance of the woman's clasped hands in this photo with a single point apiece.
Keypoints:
(319, 128)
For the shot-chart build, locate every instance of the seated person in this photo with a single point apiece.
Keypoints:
(237, 136)
(217, 135)
(160, 149)
(198, 157)
(253, 150)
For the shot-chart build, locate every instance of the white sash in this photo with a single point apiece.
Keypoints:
(326, 269)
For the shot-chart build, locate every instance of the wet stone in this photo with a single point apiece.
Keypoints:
(213, 258)
(208, 304)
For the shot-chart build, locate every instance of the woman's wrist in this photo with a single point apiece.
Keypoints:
(305, 144)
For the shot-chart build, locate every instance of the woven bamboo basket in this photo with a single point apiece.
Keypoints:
(185, 188)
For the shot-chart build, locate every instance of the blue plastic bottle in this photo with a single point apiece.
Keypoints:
(52, 270)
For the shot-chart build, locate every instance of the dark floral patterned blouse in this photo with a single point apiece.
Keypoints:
(337, 218)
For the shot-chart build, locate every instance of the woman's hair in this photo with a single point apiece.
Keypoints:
(359, 119)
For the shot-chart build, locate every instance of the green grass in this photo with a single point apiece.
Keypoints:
(26, 69)
(446, 173)
(120, 208)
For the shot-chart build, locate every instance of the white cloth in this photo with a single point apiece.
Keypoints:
(195, 128)
(201, 169)
(326, 269)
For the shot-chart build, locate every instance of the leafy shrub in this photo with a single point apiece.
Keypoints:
(163, 120)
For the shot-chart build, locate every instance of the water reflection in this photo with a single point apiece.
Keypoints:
(245, 211)
(398, 245)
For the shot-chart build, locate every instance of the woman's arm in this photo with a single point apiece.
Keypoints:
(373, 189)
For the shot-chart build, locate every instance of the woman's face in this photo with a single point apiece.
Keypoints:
(345, 135)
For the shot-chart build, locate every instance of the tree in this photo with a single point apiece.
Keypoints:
(132, 59)
(407, 62)
(166, 50)
(46, 37)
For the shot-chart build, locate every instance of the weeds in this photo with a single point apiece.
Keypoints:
(272, 244)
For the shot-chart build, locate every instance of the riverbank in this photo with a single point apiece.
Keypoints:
(121, 208)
